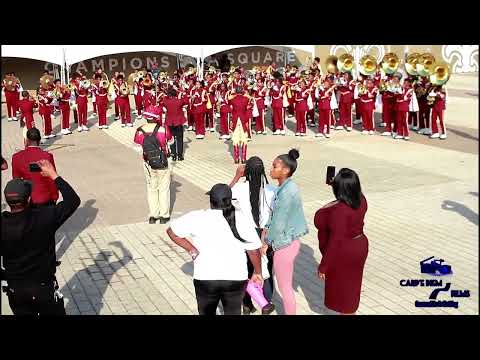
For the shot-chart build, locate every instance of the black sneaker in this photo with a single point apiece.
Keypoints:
(247, 310)
(152, 220)
(268, 309)
(180, 158)
(164, 220)
(174, 158)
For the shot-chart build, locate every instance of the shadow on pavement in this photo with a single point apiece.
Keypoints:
(99, 273)
(462, 134)
(82, 218)
(174, 185)
(461, 209)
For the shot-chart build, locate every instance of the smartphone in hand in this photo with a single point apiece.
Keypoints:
(330, 175)
(34, 167)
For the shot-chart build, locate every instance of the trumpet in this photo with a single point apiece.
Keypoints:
(70, 87)
(45, 81)
(362, 89)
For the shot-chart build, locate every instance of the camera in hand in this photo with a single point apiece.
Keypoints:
(34, 167)
(330, 175)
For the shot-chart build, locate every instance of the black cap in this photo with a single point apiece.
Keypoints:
(219, 193)
(17, 190)
(33, 134)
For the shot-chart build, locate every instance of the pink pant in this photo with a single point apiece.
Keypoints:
(283, 265)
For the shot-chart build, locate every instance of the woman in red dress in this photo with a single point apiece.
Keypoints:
(343, 244)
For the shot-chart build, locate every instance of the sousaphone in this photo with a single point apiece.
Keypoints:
(46, 81)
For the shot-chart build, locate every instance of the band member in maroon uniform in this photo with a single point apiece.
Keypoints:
(138, 95)
(241, 103)
(64, 104)
(102, 104)
(26, 106)
(368, 107)
(301, 107)
(11, 96)
(276, 93)
(346, 90)
(199, 101)
(209, 114)
(402, 104)
(292, 82)
(123, 103)
(115, 83)
(360, 82)
(225, 110)
(388, 106)
(190, 90)
(423, 87)
(311, 112)
(148, 91)
(259, 94)
(438, 111)
(45, 110)
(82, 103)
(325, 94)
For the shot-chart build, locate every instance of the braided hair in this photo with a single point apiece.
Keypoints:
(255, 175)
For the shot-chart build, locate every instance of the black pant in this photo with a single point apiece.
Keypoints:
(47, 204)
(210, 292)
(177, 147)
(34, 299)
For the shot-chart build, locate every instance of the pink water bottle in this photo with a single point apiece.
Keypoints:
(256, 292)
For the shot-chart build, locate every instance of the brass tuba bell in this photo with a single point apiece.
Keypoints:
(147, 82)
(368, 65)
(104, 84)
(440, 75)
(85, 84)
(45, 81)
(425, 65)
(411, 63)
(390, 63)
(345, 63)
(331, 64)
(124, 89)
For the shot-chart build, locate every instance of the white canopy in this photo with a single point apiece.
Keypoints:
(48, 53)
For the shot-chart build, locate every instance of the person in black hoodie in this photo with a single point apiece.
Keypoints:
(28, 245)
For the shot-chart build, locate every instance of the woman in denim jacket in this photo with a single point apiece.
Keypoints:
(286, 225)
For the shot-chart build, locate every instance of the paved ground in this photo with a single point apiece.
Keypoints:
(422, 194)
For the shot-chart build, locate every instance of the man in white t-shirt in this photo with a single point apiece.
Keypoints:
(254, 197)
(217, 241)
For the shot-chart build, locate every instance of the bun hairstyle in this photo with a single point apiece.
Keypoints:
(290, 160)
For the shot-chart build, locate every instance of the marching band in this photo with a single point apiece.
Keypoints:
(411, 98)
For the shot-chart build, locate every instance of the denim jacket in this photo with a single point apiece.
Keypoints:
(287, 221)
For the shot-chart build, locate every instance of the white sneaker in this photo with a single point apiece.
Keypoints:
(45, 137)
(349, 128)
(406, 138)
(311, 124)
(282, 132)
(123, 125)
(130, 125)
(319, 135)
(212, 130)
(435, 136)
(357, 122)
(394, 134)
(339, 127)
(383, 124)
(117, 118)
(227, 137)
(421, 131)
(134, 111)
(264, 132)
(80, 129)
(443, 136)
(52, 135)
(9, 119)
(190, 128)
(277, 132)
(105, 126)
(427, 132)
(249, 139)
(371, 132)
(386, 133)
(398, 137)
(290, 116)
(414, 128)
(139, 117)
(199, 136)
(327, 135)
(364, 132)
(297, 134)
(85, 128)
(303, 134)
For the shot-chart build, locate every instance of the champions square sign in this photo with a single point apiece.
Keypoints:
(30, 71)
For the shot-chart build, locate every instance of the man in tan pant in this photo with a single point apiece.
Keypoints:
(158, 192)
(158, 180)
